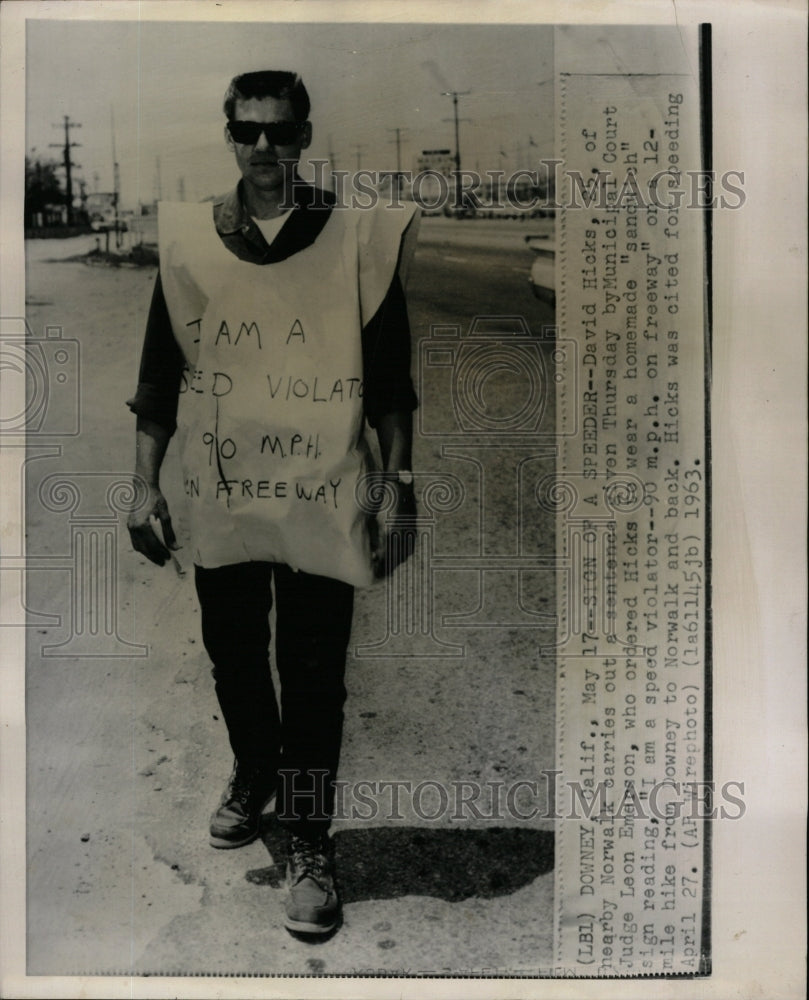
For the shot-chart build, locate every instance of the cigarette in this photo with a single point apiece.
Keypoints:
(177, 566)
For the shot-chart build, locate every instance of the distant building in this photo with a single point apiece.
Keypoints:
(50, 215)
(441, 161)
(100, 208)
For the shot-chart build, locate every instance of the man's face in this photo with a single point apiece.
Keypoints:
(260, 163)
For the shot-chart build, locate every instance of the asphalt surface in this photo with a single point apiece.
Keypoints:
(127, 755)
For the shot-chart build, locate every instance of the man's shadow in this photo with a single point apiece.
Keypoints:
(389, 862)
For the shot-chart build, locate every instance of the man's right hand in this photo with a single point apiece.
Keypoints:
(144, 538)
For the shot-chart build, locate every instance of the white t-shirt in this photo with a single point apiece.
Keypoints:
(270, 227)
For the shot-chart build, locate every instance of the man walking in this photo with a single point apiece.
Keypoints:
(278, 327)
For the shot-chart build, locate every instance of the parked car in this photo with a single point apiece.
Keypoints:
(103, 222)
(543, 269)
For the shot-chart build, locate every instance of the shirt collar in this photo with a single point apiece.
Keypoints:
(231, 216)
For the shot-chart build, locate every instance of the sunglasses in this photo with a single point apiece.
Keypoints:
(277, 133)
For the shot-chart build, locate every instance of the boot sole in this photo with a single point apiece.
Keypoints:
(221, 844)
(304, 927)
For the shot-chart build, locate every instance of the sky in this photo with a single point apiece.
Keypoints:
(163, 83)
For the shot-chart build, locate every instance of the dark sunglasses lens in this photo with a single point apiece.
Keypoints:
(282, 133)
(245, 132)
(277, 133)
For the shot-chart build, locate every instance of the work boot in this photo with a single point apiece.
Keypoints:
(237, 818)
(312, 905)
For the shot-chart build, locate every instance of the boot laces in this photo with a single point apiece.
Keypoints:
(309, 858)
(242, 784)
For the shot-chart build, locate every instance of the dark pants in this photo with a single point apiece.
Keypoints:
(313, 624)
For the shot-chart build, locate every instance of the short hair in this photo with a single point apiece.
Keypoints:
(280, 84)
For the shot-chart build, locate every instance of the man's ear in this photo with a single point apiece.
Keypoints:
(228, 139)
(306, 135)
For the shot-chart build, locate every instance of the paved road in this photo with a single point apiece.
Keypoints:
(470, 268)
(126, 755)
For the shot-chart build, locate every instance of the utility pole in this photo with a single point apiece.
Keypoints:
(333, 165)
(332, 156)
(116, 180)
(158, 186)
(398, 141)
(358, 150)
(68, 163)
(455, 94)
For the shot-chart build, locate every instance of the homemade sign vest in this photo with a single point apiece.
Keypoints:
(270, 422)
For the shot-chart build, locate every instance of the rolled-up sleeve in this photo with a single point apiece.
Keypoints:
(388, 386)
(161, 366)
